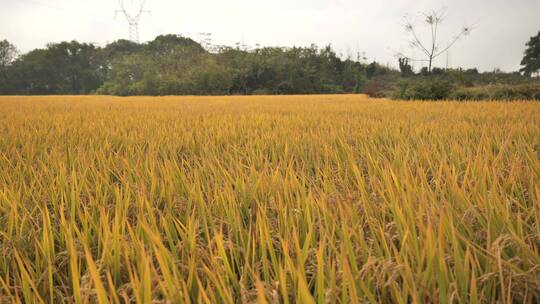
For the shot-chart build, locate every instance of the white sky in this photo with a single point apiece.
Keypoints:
(501, 27)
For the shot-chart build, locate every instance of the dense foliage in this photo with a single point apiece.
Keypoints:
(530, 91)
(458, 84)
(175, 65)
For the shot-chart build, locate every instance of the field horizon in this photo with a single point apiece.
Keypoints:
(268, 199)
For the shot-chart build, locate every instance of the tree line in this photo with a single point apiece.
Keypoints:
(176, 65)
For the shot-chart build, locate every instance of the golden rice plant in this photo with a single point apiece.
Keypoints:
(305, 199)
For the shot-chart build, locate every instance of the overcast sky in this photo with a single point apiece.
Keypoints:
(501, 27)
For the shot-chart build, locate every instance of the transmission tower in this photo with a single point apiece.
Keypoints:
(132, 18)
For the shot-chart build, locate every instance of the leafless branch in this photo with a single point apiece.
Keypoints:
(433, 20)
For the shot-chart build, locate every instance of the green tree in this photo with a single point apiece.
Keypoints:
(61, 68)
(105, 56)
(405, 67)
(165, 66)
(166, 44)
(76, 66)
(128, 74)
(531, 60)
(375, 69)
(8, 53)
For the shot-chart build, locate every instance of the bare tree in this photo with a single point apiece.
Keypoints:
(433, 46)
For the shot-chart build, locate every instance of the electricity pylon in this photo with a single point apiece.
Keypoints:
(132, 19)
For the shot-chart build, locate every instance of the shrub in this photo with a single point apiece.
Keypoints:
(530, 91)
(424, 89)
(373, 88)
(469, 94)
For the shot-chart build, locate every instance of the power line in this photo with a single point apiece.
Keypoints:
(132, 19)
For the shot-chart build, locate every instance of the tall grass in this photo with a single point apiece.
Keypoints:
(321, 199)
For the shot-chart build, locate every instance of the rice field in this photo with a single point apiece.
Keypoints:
(286, 199)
